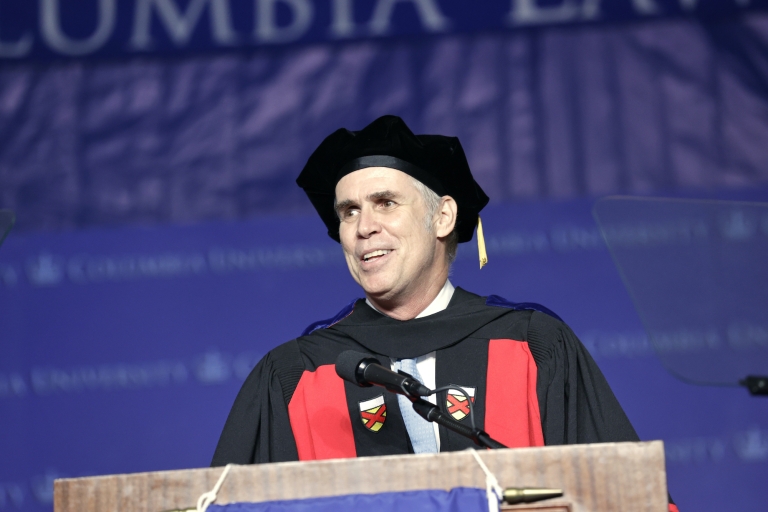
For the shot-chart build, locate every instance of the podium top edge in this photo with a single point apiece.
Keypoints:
(653, 446)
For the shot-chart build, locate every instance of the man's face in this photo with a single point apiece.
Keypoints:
(388, 248)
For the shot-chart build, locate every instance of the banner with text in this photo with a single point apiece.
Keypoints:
(112, 28)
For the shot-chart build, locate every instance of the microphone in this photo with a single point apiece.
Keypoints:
(365, 371)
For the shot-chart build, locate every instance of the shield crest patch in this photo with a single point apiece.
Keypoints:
(373, 412)
(457, 403)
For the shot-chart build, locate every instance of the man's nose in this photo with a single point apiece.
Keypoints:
(368, 223)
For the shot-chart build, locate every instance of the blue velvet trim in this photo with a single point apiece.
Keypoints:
(464, 499)
(500, 302)
(322, 324)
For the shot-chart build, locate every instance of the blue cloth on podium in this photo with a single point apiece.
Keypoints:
(460, 499)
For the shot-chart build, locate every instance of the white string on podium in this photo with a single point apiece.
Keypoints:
(209, 497)
(492, 488)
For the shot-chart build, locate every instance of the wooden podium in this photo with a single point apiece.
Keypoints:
(607, 477)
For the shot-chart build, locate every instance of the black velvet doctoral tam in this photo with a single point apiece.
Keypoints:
(435, 160)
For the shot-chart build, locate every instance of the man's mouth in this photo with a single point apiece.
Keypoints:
(375, 254)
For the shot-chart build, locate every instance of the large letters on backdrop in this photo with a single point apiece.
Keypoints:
(57, 28)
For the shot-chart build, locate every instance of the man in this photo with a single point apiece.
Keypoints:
(399, 204)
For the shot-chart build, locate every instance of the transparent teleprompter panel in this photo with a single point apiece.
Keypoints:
(7, 219)
(697, 272)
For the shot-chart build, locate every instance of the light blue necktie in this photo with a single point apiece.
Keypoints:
(420, 431)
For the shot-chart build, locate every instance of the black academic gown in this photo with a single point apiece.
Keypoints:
(534, 383)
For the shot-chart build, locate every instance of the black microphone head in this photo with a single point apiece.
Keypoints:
(347, 366)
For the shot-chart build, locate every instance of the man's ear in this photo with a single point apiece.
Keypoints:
(446, 216)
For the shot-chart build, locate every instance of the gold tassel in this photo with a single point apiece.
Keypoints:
(481, 243)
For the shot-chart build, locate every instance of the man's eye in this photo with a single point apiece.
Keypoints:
(351, 212)
(388, 204)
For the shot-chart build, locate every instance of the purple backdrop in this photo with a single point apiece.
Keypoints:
(557, 112)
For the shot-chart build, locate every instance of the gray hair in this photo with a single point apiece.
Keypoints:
(432, 204)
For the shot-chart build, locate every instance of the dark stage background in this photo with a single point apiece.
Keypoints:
(149, 149)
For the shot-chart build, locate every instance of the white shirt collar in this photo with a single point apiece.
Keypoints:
(437, 305)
